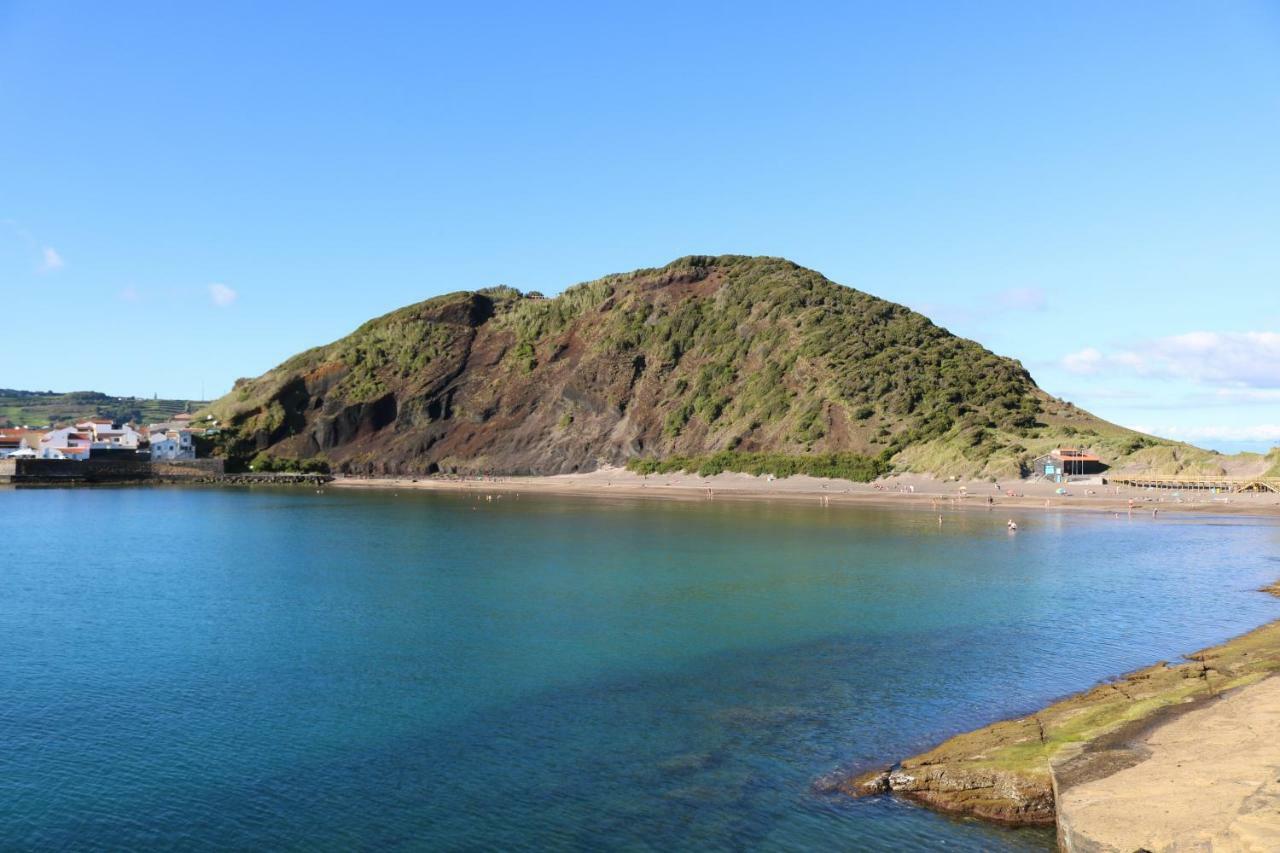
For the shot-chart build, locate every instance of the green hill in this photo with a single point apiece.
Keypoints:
(739, 363)
(39, 409)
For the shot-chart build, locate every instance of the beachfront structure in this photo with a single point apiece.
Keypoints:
(173, 444)
(1064, 462)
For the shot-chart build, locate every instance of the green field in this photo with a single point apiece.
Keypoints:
(40, 409)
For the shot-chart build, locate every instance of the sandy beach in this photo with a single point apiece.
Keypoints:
(910, 490)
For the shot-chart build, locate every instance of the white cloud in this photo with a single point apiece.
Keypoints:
(50, 260)
(1086, 362)
(1231, 359)
(222, 295)
(1254, 432)
(1232, 396)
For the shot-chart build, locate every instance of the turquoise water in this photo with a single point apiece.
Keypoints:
(234, 669)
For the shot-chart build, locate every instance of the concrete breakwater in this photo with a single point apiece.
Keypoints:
(277, 479)
(134, 470)
(1041, 769)
(1204, 777)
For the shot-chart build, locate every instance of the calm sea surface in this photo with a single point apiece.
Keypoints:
(234, 669)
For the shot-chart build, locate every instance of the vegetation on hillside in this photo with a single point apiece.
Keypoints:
(844, 466)
(1273, 463)
(40, 409)
(734, 362)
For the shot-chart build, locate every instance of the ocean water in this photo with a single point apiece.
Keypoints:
(205, 669)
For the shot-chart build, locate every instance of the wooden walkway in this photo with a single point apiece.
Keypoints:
(1197, 481)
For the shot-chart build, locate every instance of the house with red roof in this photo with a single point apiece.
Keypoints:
(66, 443)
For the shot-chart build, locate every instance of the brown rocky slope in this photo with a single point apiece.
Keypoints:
(706, 354)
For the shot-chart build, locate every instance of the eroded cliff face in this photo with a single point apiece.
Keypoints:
(472, 407)
(705, 354)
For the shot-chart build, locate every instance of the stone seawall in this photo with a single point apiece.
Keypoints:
(270, 479)
(178, 469)
(52, 472)
(66, 471)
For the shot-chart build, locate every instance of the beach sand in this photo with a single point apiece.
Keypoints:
(909, 490)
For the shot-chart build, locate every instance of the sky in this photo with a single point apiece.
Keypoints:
(193, 193)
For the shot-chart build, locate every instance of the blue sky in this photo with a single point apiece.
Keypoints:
(191, 194)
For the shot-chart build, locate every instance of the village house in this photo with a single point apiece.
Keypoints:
(172, 444)
(1059, 464)
(20, 443)
(66, 443)
(105, 435)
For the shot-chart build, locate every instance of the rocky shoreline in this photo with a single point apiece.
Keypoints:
(1014, 772)
(181, 480)
(248, 480)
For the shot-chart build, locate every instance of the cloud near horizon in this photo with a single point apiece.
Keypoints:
(222, 295)
(1235, 359)
(50, 260)
(1254, 433)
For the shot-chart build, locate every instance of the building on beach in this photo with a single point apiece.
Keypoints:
(1063, 462)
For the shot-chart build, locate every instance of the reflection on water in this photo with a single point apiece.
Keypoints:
(220, 668)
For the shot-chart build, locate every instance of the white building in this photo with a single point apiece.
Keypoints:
(105, 435)
(21, 443)
(174, 444)
(66, 443)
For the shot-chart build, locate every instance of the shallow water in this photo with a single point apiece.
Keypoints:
(212, 669)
